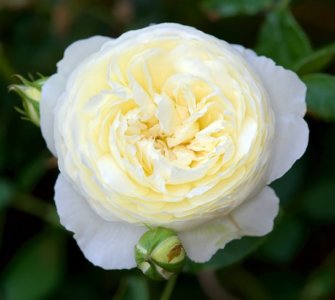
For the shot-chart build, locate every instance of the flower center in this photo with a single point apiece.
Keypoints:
(182, 127)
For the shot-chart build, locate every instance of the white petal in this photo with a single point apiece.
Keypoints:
(55, 85)
(290, 143)
(287, 92)
(51, 91)
(287, 95)
(255, 216)
(109, 245)
(202, 242)
(78, 51)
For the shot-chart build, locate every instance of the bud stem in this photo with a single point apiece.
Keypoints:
(167, 292)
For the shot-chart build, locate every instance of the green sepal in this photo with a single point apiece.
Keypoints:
(30, 93)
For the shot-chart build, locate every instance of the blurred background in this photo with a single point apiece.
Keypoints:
(40, 260)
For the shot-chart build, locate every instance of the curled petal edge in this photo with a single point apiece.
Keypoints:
(253, 218)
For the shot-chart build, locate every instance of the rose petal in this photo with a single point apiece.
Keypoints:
(55, 85)
(109, 245)
(290, 143)
(51, 90)
(287, 95)
(286, 90)
(202, 242)
(254, 217)
(78, 51)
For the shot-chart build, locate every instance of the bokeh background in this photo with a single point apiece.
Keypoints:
(40, 260)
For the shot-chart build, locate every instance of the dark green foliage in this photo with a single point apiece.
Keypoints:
(282, 39)
(321, 95)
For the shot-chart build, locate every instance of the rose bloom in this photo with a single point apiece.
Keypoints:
(168, 126)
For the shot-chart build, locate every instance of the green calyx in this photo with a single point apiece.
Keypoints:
(159, 253)
(30, 93)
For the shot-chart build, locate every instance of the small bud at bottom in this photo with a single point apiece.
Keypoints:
(159, 253)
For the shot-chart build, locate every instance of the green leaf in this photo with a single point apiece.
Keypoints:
(229, 8)
(232, 253)
(316, 61)
(35, 270)
(319, 201)
(282, 39)
(321, 95)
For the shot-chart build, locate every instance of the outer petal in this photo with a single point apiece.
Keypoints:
(202, 242)
(254, 217)
(109, 245)
(78, 51)
(290, 143)
(51, 90)
(55, 85)
(287, 95)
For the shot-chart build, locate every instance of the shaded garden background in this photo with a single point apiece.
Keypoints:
(40, 260)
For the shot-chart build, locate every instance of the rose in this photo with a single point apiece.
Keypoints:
(168, 126)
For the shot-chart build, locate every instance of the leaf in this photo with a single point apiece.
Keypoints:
(282, 39)
(321, 95)
(232, 253)
(316, 61)
(319, 201)
(229, 8)
(35, 270)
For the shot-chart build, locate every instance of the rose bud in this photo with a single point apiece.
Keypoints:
(30, 93)
(159, 253)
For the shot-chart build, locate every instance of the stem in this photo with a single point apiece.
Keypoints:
(169, 288)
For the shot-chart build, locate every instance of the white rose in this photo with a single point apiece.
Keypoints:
(168, 126)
